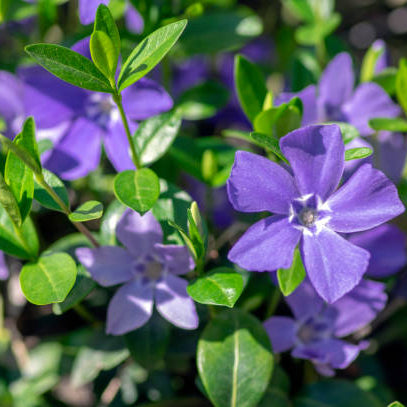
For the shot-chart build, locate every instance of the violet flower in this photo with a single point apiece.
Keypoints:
(387, 247)
(308, 209)
(4, 271)
(87, 118)
(88, 8)
(316, 330)
(148, 271)
(335, 99)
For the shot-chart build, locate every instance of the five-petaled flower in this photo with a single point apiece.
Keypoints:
(308, 209)
(316, 329)
(148, 270)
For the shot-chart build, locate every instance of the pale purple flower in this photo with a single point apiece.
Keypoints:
(148, 271)
(4, 271)
(87, 119)
(309, 209)
(387, 247)
(316, 330)
(335, 99)
(88, 8)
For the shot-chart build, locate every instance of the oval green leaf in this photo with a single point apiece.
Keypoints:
(221, 286)
(234, 360)
(87, 211)
(389, 124)
(357, 153)
(149, 53)
(139, 190)
(104, 54)
(69, 66)
(49, 280)
(290, 279)
(104, 21)
(44, 198)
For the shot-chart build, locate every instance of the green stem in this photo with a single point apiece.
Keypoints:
(81, 228)
(136, 160)
(84, 313)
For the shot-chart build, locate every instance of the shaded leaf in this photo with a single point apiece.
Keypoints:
(87, 211)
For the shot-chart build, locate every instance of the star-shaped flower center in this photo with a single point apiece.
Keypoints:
(314, 329)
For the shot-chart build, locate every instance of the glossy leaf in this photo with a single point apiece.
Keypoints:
(149, 53)
(83, 286)
(9, 202)
(104, 54)
(48, 280)
(396, 404)
(357, 153)
(69, 66)
(250, 87)
(104, 22)
(401, 84)
(289, 279)
(234, 360)
(109, 223)
(87, 211)
(139, 190)
(20, 178)
(221, 286)
(389, 124)
(44, 198)
(154, 136)
(23, 245)
(269, 143)
(369, 62)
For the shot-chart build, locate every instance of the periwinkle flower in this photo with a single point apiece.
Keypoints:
(87, 118)
(335, 99)
(309, 209)
(4, 270)
(148, 271)
(387, 247)
(316, 330)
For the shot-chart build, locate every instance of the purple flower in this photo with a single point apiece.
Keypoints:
(315, 331)
(387, 247)
(87, 118)
(335, 99)
(4, 271)
(88, 8)
(149, 273)
(308, 209)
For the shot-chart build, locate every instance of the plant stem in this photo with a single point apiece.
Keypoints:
(136, 160)
(81, 228)
(272, 305)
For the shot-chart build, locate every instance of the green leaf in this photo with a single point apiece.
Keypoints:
(155, 135)
(396, 404)
(348, 131)
(149, 53)
(23, 244)
(109, 223)
(369, 62)
(315, 33)
(20, 179)
(203, 101)
(9, 202)
(69, 66)
(336, 393)
(104, 54)
(269, 143)
(83, 286)
(28, 141)
(87, 211)
(148, 344)
(104, 22)
(221, 286)
(48, 280)
(390, 124)
(301, 9)
(234, 359)
(217, 31)
(401, 84)
(387, 79)
(289, 279)
(139, 190)
(250, 87)
(44, 198)
(357, 153)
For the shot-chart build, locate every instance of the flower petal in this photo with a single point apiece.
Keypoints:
(139, 233)
(281, 331)
(78, 152)
(108, 265)
(130, 308)
(336, 85)
(11, 96)
(387, 247)
(4, 271)
(316, 155)
(134, 20)
(174, 303)
(366, 200)
(369, 101)
(177, 259)
(257, 184)
(334, 266)
(266, 246)
(359, 307)
(87, 10)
